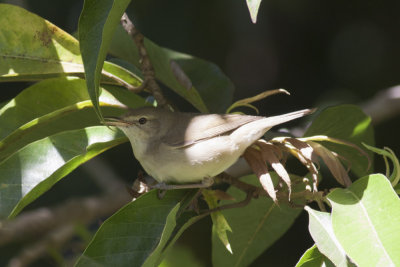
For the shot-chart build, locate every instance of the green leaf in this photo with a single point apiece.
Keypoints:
(31, 47)
(394, 177)
(211, 90)
(255, 227)
(313, 258)
(365, 219)
(181, 255)
(132, 234)
(31, 171)
(253, 6)
(320, 227)
(220, 225)
(346, 122)
(96, 29)
(52, 106)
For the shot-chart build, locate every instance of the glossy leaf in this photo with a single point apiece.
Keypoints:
(365, 220)
(31, 171)
(255, 227)
(313, 258)
(320, 227)
(132, 234)
(212, 90)
(347, 122)
(96, 29)
(52, 106)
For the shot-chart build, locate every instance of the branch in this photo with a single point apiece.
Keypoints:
(384, 105)
(147, 69)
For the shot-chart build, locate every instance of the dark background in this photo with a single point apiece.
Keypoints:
(323, 52)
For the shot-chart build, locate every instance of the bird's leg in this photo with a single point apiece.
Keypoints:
(207, 182)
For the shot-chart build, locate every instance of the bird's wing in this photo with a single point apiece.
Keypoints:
(204, 127)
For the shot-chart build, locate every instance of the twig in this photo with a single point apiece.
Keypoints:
(35, 223)
(384, 105)
(35, 250)
(149, 81)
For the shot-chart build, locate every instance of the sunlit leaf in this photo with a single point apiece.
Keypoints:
(320, 227)
(253, 6)
(247, 101)
(394, 177)
(52, 106)
(365, 220)
(313, 258)
(35, 168)
(31, 46)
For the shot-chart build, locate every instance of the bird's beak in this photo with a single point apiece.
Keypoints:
(115, 121)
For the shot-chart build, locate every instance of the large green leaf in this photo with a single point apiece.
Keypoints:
(31, 46)
(208, 80)
(96, 29)
(365, 219)
(133, 234)
(254, 227)
(346, 122)
(32, 170)
(314, 258)
(320, 227)
(52, 106)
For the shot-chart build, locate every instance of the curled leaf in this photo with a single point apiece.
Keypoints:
(332, 162)
(303, 152)
(268, 155)
(388, 153)
(246, 101)
(257, 164)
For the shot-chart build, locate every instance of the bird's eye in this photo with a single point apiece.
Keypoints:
(142, 120)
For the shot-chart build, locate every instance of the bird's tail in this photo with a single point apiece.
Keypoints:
(250, 132)
(279, 119)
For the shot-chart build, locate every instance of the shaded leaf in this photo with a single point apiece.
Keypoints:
(220, 225)
(320, 227)
(346, 122)
(365, 220)
(212, 90)
(313, 258)
(31, 171)
(181, 255)
(131, 235)
(255, 227)
(96, 27)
